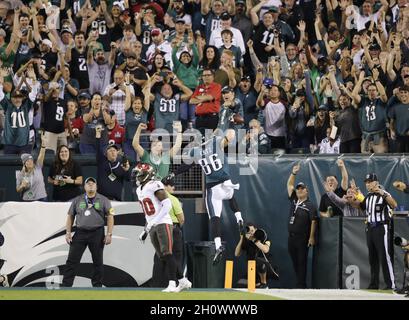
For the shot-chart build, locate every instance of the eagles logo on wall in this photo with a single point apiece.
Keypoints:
(34, 250)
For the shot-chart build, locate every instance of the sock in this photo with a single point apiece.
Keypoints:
(218, 242)
(170, 267)
(172, 283)
(238, 216)
(215, 227)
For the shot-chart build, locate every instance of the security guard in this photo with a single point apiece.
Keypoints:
(89, 210)
(178, 219)
(301, 227)
(376, 205)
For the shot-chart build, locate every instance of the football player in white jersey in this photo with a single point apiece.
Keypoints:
(156, 206)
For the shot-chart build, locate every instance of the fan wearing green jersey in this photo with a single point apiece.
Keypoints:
(17, 121)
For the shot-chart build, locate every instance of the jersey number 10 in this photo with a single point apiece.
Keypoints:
(147, 206)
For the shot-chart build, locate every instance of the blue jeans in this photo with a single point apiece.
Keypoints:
(187, 111)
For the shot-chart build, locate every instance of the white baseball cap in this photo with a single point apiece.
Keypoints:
(47, 42)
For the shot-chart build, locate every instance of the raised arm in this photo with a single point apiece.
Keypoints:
(178, 143)
(260, 103)
(344, 174)
(205, 7)
(291, 180)
(357, 89)
(254, 12)
(135, 142)
(41, 154)
(379, 86)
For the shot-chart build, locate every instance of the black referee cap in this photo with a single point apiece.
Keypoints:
(300, 185)
(371, 177)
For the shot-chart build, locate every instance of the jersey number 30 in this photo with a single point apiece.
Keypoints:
(211, 165)
(147, 206)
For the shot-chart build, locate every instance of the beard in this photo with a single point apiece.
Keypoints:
(101, 60)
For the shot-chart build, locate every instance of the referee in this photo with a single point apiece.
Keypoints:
(89, 210)
(376, 205)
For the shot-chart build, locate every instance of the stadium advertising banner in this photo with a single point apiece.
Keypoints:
(35, 251)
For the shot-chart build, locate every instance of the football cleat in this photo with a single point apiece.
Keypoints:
(183, 284)
(171, 288)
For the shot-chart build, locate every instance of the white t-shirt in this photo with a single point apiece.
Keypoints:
(164, 47)
(326, 148)
(216, 39)
(274, 114)
(150, 203)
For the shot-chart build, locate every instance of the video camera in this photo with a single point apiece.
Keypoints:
(401, 242)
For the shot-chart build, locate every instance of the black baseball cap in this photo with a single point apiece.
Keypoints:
(300, 185)
(227, 89)
(113, 145)
(245, 78)
(225, 16)
(84, 95)
(371, 177)
(273, 9)
(90, 179)
(168, 181)
(323, 107)
(374, 46)
(180, 20)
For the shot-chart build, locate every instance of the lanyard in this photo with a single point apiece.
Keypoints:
(114, 167)
(297, 205)
(89, 202)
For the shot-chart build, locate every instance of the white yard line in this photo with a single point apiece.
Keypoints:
(328, 294)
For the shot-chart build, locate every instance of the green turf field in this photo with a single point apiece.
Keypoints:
(36, 294)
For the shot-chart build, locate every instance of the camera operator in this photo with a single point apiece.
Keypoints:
(404, 244)
(112, 171)
(255, 243)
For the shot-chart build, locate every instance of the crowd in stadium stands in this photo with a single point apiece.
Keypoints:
(306, 76)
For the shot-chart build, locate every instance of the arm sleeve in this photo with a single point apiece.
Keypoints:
(176, 207)
(77, 170)
(313, 213)
(100, 156)
(109, 210)
(339, 202)
(72, 211)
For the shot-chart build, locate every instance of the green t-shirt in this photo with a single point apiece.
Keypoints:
(161, 164)
(400, 112)
(6, 61)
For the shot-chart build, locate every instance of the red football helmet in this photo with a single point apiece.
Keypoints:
(143, 172)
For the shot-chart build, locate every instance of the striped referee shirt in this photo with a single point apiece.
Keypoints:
(376, 208)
